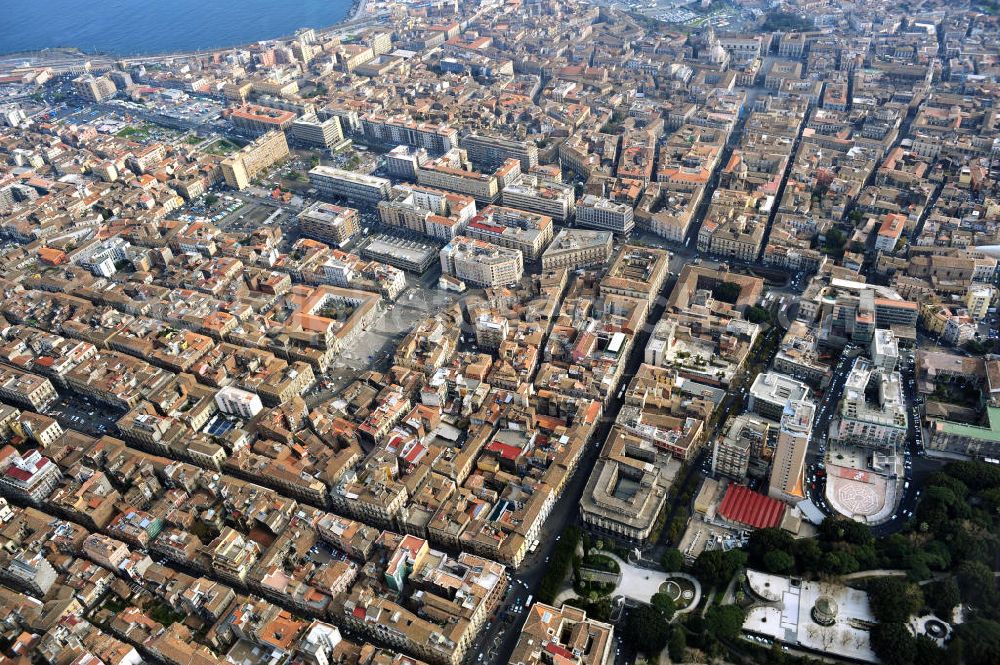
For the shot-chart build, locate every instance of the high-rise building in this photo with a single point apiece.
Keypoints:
(311, 131)
(978, 300)
(788, 467)
(95, 88)
(122, 80)
(884, 350)
(329, 223)
(404, 161)
(240, 168)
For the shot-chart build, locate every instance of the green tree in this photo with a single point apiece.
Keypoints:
(672, 560)
(976, 348)
(757, 314)
(665, 604)
(977, 583)
(839, 563)
(929, 653)
(808, 555)
(893, 643)
(982, 642)
(841, 529)
(677, 646)
(990, 500)
(834, 241)
(718, 567)
(211, 200)
(724, 621)
(784, 22)
(646, 628)
(563, 559)
(779, 562)
(894, 599)
(976, 476)
(726, 292)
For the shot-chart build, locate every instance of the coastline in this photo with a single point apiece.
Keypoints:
(354, 14)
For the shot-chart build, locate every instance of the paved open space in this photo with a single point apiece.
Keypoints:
(640, 584)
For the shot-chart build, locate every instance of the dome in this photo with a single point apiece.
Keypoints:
(824, 612)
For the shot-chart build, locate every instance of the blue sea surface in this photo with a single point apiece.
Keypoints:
(128, 27)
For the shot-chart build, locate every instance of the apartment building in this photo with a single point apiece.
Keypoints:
(30, 570)
(481, 263)
(596, 212)
(329, 223)
(514, 229)
(881, 423)
(578, 248)
(29, 477)
(105, 551)
(25, 389)
(489, 153)
(771, 392)
(456, 175)
(242, 167)
(257, 120)
(233, 555)
(744, 438)
(95, 88)
(787, 481)
(237, 402)
(400, 130)
(551, 634)
(310, 131)
(544, 197)
(433, 212)
(355, 187)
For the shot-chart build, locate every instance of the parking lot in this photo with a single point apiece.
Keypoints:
(84, 415)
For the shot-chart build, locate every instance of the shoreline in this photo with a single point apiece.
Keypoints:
(354, 13)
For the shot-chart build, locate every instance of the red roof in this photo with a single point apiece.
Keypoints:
(415, 453)
(744, 506)
(504, 450)
(558, 650)
(18, 474)
(484, 226)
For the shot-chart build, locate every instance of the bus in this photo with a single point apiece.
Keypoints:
(527, 603)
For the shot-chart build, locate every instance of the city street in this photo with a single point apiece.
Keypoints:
(566, 510)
